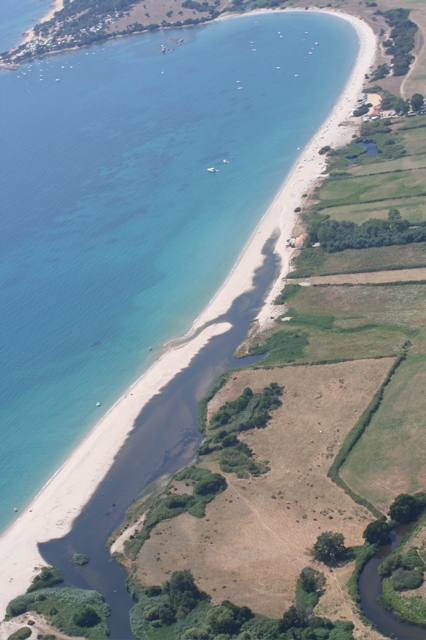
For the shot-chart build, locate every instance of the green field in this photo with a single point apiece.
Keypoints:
(412, 209)
(396, 175)
(372, 188)
(389, 458)
(401, 164)
(348, 322)
(314, 262)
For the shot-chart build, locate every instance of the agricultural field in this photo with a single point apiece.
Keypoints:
(251, 546)
(338, 322)
(412, 209)
(389, 458)
(407, 163)
(319, 263)
(375, 183)
(372, 188)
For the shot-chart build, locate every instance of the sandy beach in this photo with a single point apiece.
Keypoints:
(56, 6)
(51, 513)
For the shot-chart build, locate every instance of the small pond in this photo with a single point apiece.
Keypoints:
(371, 150)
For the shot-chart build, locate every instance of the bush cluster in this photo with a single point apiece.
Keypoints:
(287, 292)
(401, 39)
(180, 610)
(76, 612)
(47, 577)
(405, 580)
(206, 486)
(409, 561)
(406, 508)
(248, 411)
(334, 235)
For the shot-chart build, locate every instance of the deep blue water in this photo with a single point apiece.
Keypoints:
(113, 234)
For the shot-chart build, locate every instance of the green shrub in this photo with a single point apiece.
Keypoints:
(47, 577)
(212, 485)
(60, 605)
(289, 291)
(308, 261)
(377, 532)
(283, 346)
(403, 580)
(86, 617)
(80, 558)
(409, 561)
(21, 634)
(405, 508)
(309, 588)
(329, 547)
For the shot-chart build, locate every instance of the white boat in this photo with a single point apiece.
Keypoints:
(212, 170)
(225, 161)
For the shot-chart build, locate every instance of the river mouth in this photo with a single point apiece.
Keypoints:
(370, 588)
(164, 439)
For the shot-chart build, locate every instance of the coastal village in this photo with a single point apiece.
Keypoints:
(312, 454)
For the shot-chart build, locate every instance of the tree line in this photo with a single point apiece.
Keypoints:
(334, 235)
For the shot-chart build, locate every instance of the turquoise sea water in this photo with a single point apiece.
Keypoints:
(113, 234)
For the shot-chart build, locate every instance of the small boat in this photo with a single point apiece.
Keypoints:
(98, 404)
(57, 79)
(225, 161)
(212, 170)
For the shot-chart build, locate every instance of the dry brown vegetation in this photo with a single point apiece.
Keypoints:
(252, 544)
(336, 605)
(154, 12)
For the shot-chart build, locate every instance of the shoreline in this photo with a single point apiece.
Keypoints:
(51, 513)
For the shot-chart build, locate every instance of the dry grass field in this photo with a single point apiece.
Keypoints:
(389, 458)
(154, 12)
(252, 544)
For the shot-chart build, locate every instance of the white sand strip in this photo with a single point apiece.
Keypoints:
(51, 513)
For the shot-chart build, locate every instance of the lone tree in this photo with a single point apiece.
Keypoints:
(329, 547)
(377, 532)
(417, 101)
